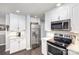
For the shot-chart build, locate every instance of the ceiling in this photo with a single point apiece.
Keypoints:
(34, 9)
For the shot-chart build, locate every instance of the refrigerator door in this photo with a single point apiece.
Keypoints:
(35, 35)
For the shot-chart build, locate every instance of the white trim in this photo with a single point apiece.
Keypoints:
(2, 44)
(28, 48)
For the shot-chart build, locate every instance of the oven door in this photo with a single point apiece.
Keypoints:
(54, 50)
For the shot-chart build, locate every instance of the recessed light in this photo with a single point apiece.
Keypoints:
(17, 11)
(59, 4)
(35, 16)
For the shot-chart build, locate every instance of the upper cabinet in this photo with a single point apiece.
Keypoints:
(17, 22)
(21, 21)
(56, 14)
(66, 11)
(13, 22)
(75, 19)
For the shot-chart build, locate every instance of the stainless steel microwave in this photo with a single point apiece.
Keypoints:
(61, 25)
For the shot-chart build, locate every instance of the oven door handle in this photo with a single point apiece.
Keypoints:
(56, 47)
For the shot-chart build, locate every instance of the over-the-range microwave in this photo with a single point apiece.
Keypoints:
(61, 25)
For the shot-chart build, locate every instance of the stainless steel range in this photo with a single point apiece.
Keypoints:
(59, 45)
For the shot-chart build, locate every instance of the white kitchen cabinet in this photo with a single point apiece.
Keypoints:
(17, 44)
(21, 20)
(75, 19)
(14, 45)
(66, 11)
(44, 47)
(17, 22)
(22, 44)
(13, 22)
(59, 13)
(70, 52)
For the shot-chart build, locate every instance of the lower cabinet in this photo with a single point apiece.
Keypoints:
(17, 45)
(14, 45)
(22, 44)
(70, 52)
(44, 47)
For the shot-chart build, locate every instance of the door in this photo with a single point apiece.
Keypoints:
(21, 23)
(14, 45)
(22, 44)
(35, 35)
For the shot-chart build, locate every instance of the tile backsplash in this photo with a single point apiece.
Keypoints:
(75, 36)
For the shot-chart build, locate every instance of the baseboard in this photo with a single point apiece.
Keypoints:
(28, 48)
(2, 44)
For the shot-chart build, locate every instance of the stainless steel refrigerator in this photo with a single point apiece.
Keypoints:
(35, 35)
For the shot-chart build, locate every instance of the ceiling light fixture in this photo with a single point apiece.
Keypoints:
(59, 4)
(35, 16)
(17, 11)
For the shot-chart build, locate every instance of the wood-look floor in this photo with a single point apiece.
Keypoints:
(36, 51)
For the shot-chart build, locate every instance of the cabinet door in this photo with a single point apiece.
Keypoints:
(75, 19)
(59, 13)
(13, 22)
(44, 47)
(14, 45)
(22, 44)
(63, 13)
(72, 52)
(21, 23)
